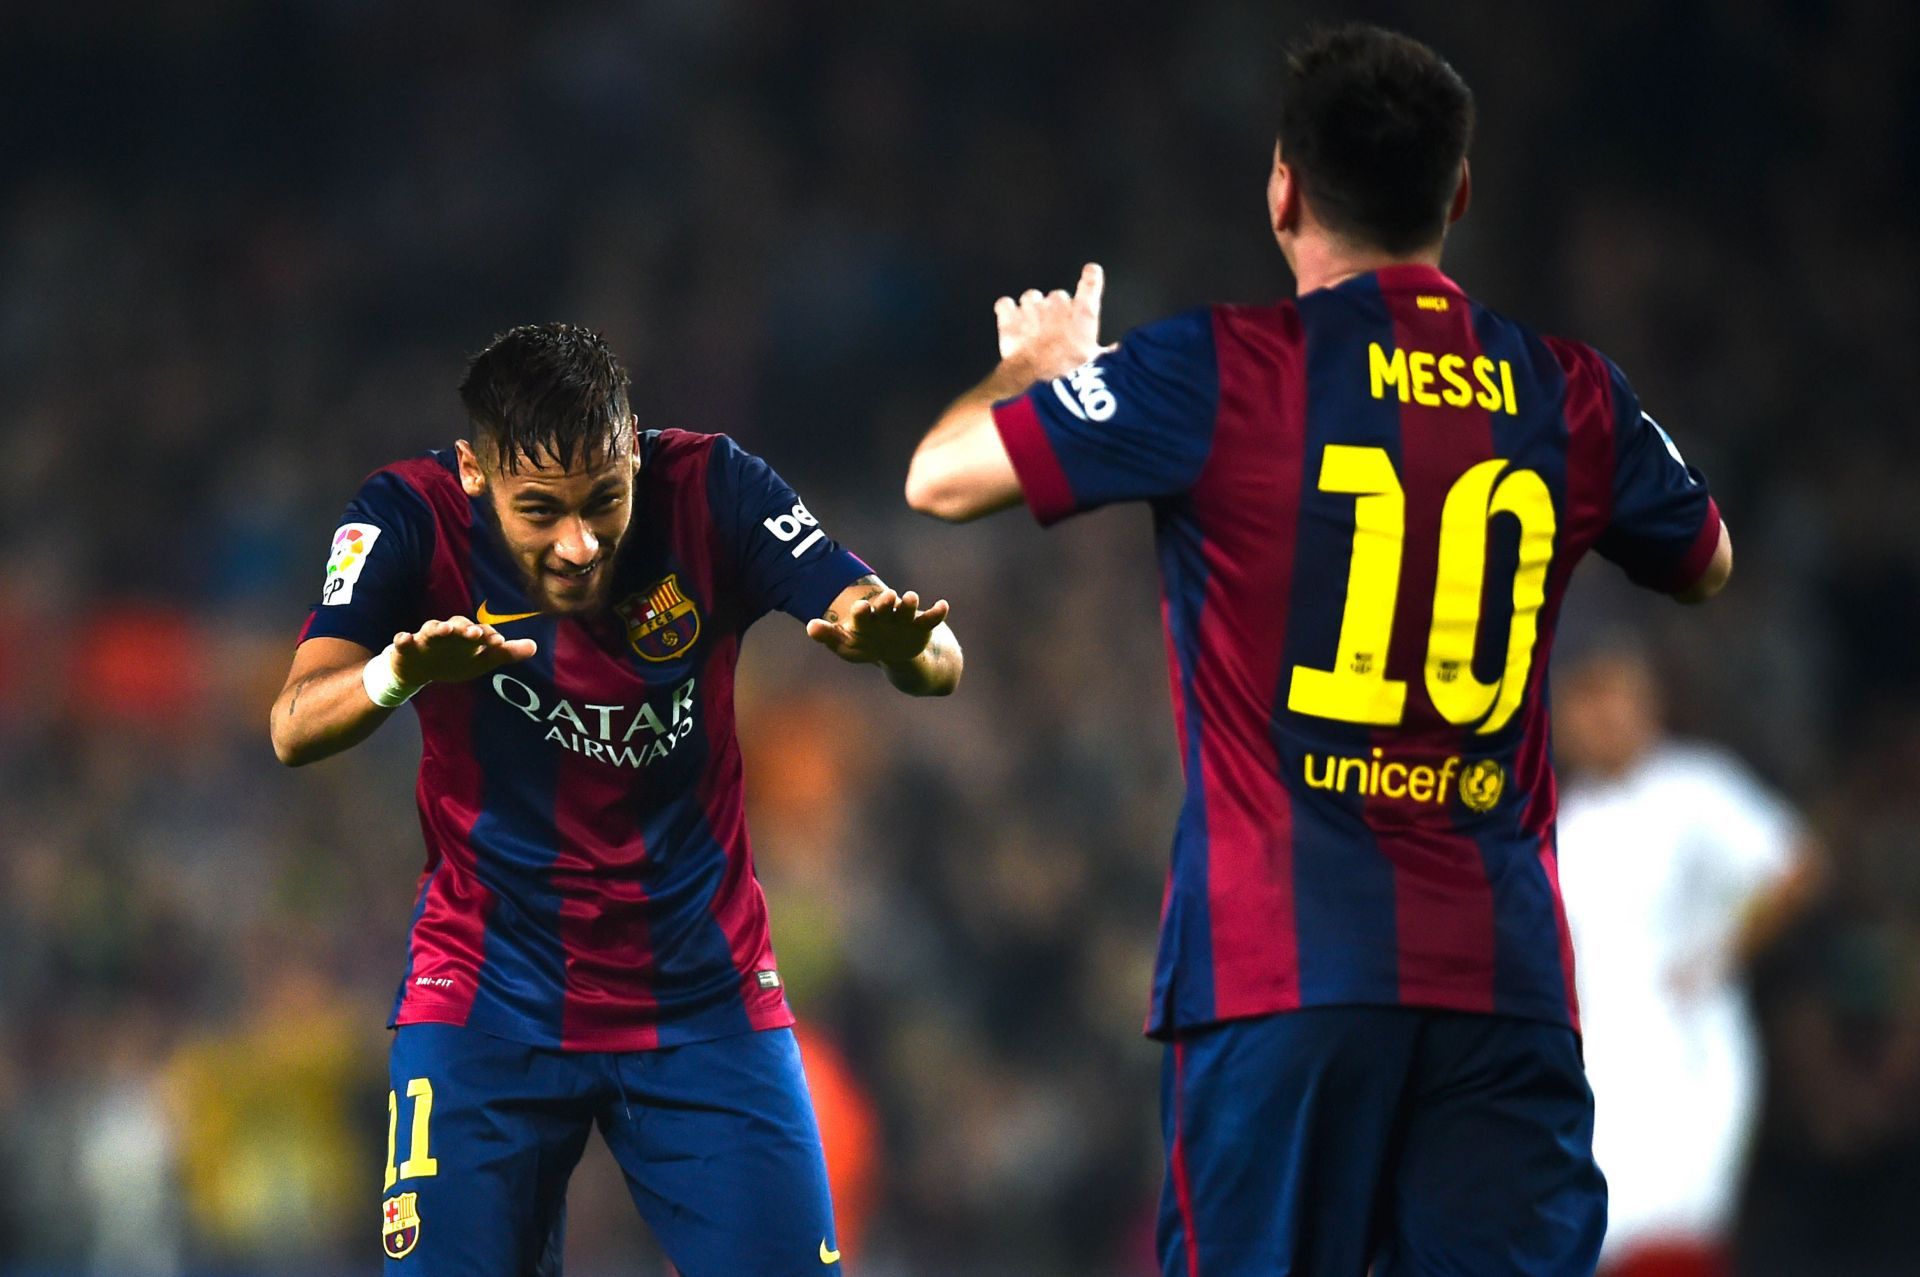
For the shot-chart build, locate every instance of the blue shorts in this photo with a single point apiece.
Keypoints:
(717, 1141)
(1343, 1140)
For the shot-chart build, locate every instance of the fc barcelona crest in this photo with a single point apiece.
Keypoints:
(662, 623)
(399, 1225)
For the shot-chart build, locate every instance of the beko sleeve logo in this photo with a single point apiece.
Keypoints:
(786, 527)
(1084, 393)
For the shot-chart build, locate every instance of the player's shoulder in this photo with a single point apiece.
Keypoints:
(1578, 360)
(1700, 766)
(1592, 390)
(671, 446)
(424, 486)
(676, 453)
(673, 458)
(1254, 324)
(1205, 341)
(711, 470)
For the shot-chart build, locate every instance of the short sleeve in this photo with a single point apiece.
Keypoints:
(1664, 525)
(1134, 424)
(784, 559)
(376, 566)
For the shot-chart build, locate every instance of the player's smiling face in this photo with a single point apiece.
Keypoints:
(561, 524)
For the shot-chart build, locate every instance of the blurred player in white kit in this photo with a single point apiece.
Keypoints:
(1668, 851)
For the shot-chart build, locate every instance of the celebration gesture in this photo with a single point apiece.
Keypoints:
(885, 629)
(452, 651)
(1050, 334)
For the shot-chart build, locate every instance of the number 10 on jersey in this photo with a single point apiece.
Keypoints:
(1356, 688)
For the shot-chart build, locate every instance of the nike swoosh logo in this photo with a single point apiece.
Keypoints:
(486, 617)
(828, 1256)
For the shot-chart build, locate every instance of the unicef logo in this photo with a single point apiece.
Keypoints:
(1481, 785)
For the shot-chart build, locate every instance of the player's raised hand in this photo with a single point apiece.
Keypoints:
(887, 629)
(454, 650)
(1051, 334)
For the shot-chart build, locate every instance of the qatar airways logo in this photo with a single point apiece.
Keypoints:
(622, 735)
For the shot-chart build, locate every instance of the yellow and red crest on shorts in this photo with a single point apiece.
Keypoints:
(662, 623)
(399, 1225)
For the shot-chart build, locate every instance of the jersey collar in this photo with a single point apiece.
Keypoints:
(1415, 277)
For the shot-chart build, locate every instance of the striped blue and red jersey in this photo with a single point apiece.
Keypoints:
(588, 881)
(1367, 503)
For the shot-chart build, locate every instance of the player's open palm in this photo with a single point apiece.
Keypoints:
(887, 629)
(1051, 334)
(454, 650)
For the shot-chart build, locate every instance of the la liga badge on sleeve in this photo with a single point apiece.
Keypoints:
(352, 543)
(662, 623)
(399, 1225)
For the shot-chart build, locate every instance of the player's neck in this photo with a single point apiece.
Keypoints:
(1323, 261)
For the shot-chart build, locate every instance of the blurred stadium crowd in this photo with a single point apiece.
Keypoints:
(246, 244)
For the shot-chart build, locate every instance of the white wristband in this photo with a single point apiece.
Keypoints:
(384, 687)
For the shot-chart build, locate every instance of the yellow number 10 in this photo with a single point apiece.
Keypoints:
(419, 1163)
(1356, 689)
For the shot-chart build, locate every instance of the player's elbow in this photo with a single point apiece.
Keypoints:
(1714, 579)
(286, 747)
(949, 485)
(954, 663)
(293, 748)
(934, 488)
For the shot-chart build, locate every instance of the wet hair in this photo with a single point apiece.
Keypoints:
(546, 392)
(1374, 126)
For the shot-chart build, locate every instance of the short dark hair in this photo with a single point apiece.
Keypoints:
(546, 388)
(1374, 125)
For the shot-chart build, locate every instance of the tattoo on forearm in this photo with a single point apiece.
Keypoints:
(293, 702)
(874, 590)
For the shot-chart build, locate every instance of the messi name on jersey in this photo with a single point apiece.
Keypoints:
(1412, 376)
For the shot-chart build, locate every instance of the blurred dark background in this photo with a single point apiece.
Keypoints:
(245, 248)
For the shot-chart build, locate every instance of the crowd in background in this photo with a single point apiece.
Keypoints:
(245, 246)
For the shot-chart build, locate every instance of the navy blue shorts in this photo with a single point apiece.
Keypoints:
(717, 1141)
(1341, 1140)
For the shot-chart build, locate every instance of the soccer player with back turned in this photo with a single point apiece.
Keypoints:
(1368, 501)
(563, 598)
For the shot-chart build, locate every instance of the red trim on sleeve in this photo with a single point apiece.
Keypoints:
(1699, 555)
(1042, 481)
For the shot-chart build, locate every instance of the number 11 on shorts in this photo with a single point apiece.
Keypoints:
(420, 1162)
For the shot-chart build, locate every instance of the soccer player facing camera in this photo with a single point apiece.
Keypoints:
(562, 599)
(1368, 501)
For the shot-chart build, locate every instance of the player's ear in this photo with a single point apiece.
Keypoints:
(1283, 196)
(1462, 194)
(633, 428)
(473, 479)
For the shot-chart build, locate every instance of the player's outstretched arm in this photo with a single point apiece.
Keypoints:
(337, 691)
(870, 624)
(961, 470)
